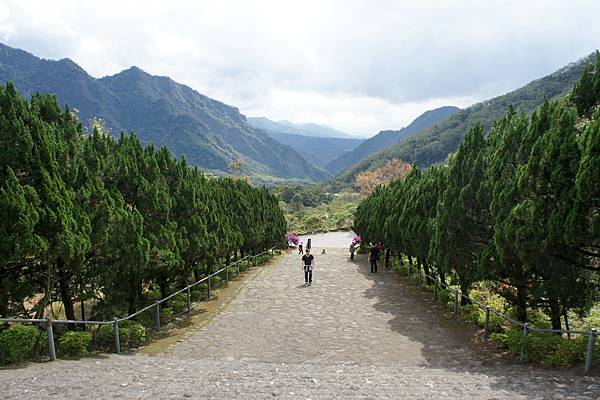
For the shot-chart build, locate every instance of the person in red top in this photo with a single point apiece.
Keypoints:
(308, 262)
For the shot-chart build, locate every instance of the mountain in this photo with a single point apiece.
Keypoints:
(388, 138)
(302, 129)
(432, 145)
(317, 150)
(161, 111)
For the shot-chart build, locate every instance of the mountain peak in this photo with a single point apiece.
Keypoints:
(133, 71)
(161, 111)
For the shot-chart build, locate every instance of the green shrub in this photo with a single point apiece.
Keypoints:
(19, 343)
(199, 291)
(74, 344)
(131, 334)
(166, 312)
(500, 338)
(545, 348)
(471, 313)
(593, 319)
(446, 297)
(104, 338)
(538, 346)
(566, 353)
(215, 281)
(178, 303)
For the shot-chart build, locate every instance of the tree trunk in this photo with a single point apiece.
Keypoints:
(82, 300)
(410, 260)
(164, 291)
(521, 303)
(426, 269)
(464, 288)
(65, 295)
(442, 276)
(564, 313)
(133, 296)
(555, 313)
(3, 299)
(387, 258)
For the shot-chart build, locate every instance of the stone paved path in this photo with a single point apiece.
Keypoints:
(350, 335)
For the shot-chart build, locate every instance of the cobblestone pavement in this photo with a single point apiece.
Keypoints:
(349, 335)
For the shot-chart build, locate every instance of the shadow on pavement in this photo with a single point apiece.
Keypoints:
(452, 344)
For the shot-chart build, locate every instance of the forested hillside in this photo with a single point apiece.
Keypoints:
(90, 217)
(163, 112)
(388, 138)
(516, 211)
(432, 145)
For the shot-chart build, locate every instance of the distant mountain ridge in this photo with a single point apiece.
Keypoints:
(317, 150)
(433, 144)
(302, 129)
(161, 111)
(388, 138)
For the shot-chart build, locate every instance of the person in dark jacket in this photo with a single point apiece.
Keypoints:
(373, 258)
(308, 262)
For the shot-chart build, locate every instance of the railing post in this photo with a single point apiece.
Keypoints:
(525, 333)
(227, 275)
(157, 315)
(435, 285)
(590, 350)
(486, 330)
(419, 272)
(208, 294)
(51, 349)
(455, 301)
(238, 267)
(408, 272)
(189, 298)
(117, 336)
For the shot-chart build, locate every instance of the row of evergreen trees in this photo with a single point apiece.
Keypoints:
(89, 216)
(519, 207)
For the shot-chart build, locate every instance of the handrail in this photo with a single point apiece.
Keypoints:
(115, 322)
(592, 333)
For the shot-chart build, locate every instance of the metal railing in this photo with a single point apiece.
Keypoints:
(49, 322)
(527, 328)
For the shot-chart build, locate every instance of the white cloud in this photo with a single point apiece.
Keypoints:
(359, 66)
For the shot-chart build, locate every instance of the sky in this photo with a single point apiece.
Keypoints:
(357, 66)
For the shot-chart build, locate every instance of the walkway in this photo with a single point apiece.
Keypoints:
(350, 335)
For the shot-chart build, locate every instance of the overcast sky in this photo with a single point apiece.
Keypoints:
(358, 66)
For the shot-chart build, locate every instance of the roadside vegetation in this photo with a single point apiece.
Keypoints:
(513, 217)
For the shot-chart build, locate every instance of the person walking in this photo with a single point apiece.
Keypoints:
(308, 245)
(373, 258)
(352, 250)
(300, 250)
(308, 262)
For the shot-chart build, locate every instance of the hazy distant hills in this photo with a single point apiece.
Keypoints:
(160, 111)
(433, 144)
(317, 150)
(303, 129)
(388, 138)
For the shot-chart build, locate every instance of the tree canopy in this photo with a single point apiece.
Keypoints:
(85, 215)
(518, 208)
